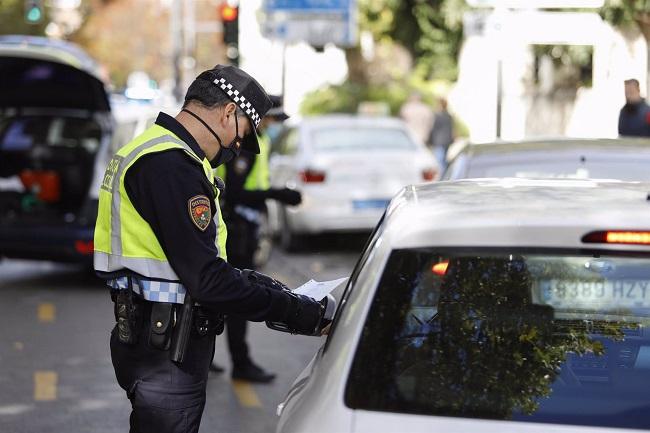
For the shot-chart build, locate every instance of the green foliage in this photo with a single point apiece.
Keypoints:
(12, 19)
(431, 30)
(625, 13)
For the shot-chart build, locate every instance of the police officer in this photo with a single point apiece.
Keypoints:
(247, 189)
(160, 242)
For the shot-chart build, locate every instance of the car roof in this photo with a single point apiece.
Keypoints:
(557, 145)
(49, 49)
(513, 212)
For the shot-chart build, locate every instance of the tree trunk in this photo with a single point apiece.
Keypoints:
(357, 66)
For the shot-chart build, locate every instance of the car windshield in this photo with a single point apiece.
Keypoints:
(630, 170)
(550, 338)
(361, 138)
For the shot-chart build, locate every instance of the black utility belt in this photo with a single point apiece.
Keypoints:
(160, 319)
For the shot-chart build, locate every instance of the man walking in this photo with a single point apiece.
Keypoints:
(634, 118)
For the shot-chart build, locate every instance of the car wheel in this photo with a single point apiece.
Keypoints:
(289, 240)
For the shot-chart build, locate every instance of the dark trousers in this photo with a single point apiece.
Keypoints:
(241, 245)
(165, 397)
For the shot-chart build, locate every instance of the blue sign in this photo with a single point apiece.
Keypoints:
(307, 5)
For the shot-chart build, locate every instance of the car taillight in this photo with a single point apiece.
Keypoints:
(618, 237)
(312, 176)
(440, 269)
(428, 174)
(83, 247)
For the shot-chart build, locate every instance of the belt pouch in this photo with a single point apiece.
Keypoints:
(127, 314)
(161, 325)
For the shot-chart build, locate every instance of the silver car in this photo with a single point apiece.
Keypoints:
(624, 158)
(347, 168)
(494, 305)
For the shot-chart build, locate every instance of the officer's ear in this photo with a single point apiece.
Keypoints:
(229, 110)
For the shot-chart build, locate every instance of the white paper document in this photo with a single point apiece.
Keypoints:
(319, 289)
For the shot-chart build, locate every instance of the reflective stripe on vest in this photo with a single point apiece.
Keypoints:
(123, 239)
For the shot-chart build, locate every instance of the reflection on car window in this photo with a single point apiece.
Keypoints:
(23, 133)
(538, 338)
(631, 170)
(361, 138)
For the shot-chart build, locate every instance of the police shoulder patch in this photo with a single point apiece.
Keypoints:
(200, 211)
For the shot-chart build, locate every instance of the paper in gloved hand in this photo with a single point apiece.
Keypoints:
(318, 290)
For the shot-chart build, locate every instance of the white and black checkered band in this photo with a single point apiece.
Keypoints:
(239, 99)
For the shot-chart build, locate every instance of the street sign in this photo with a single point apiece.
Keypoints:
(536, 4)
(317, 22)
(307, 5)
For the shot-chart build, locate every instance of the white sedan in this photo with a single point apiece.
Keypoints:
(485, 305)
(347, 168)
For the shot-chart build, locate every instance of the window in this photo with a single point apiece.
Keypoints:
(362, 138)
(547, 338)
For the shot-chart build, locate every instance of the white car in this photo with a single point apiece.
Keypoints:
(347, 168)
(491, 305)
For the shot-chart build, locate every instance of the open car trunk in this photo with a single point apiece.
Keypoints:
(46, 165)
(55, 123)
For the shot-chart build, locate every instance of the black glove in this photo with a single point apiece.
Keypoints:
(286, 196)
(257, 279)
(304, 314)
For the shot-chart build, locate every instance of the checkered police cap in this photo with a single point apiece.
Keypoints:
(246, 92)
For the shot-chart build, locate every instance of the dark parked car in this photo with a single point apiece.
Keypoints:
(55, 133)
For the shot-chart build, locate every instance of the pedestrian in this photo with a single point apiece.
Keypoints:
(418, 116)
(160, 243)
(634, 118)
(244, 205)
(442, 134)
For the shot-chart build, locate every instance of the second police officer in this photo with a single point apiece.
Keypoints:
(244, 206)
(160, 243)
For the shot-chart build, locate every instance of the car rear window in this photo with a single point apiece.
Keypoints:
(547, 338)
(361, 138)
(630, 170)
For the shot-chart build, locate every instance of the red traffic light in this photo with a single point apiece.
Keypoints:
(228, 13)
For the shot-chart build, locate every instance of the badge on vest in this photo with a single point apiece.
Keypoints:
(200, 211)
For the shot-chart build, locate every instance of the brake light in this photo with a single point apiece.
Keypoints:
(85, 248)
(440, 269)
(618, 237)
(312, 176)
(428, 174)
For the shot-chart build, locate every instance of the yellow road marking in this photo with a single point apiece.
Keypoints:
(246, 394)
(45, 385)
(46, 312)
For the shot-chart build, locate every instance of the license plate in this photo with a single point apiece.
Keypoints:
(605, 294)
(369, 204)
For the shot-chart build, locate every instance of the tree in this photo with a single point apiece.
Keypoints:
(12, 19)
(627, 14)
(127, 35)
(431, 30)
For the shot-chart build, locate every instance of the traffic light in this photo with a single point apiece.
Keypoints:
(230, 19)
(34, 12)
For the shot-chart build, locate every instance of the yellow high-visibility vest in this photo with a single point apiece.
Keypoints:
(123, 239)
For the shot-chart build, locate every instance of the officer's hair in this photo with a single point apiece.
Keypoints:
(207, 94)
(632, 81)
